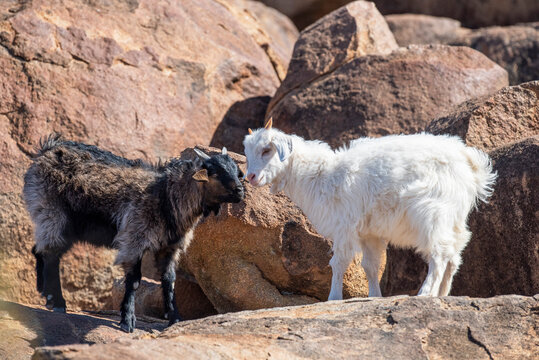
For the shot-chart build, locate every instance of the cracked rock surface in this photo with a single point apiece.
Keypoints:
(503, 327)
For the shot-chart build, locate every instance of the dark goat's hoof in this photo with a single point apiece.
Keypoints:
(59, 309)
(128, 324)
(174, 321)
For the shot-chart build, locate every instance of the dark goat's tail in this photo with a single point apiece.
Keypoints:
(39, 270)
(47, 143)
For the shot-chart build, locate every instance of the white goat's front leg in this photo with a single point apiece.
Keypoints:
(372, 254)
(342, 256)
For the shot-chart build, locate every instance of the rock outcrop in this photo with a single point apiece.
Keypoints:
(515, 48)
(411, 29)
(492, 121)
(411, 327)
(376, 95)
(472, 13)
(139, 78)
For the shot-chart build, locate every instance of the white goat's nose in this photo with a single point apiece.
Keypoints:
(250, 177)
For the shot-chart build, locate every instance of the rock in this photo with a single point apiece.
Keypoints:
(263, 253)
(192, 303)
(147, 86)
(24, 327)
(515, 48)
(472, 13)
(502, 257)
(423, 29)
(417, 328)
(492, 121)
(377, 95)
(354, 30)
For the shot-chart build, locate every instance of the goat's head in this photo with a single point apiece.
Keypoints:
(266, 150)
(220, 179)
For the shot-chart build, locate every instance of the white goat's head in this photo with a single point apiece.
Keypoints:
(266, 150)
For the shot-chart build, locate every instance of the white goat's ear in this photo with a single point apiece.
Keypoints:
(201, 175)
(224, 151)
(283, 145)
(201, 154)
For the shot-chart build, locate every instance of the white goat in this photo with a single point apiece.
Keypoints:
(408, 190)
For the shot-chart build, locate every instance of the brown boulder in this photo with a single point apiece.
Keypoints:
(423, 29)
(503, 254)
(354, 30)
(472, 13)
(515, 48)
(503, 327)
(488, 122)
(377, 95)
(263, 253)
(159, 79)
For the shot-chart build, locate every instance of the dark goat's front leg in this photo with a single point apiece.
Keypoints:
(166, 261)
(133, 276)
(49, 261)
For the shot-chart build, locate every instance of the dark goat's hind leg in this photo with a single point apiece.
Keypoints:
(133, 276)
(166, 260)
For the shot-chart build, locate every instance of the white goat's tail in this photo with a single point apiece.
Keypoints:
(485, 177)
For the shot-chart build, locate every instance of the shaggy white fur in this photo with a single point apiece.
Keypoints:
(408, 190)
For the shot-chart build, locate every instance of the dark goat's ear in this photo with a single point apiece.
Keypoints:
(201, 175)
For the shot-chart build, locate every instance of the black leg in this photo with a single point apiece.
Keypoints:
(39, 270)
(133, 276)
(166, 263)
(52, 288)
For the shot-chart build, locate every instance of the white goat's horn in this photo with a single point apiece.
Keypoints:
(269, 123)
(201, 153)
(250, 131)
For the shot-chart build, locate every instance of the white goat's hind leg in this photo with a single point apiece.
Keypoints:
(434, 277)
(450, 270)
(372, 251)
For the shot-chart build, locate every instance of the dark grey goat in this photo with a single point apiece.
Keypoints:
(77, 192)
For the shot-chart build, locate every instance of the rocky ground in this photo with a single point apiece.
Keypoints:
(502, 327)
(152, 79)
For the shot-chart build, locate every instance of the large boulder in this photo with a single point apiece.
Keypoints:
(495, 120)
(423, 29)
(502, 256)
(140, 78)
(263, 253)
(376, 95)
(472, 13)
(515, 48)
(503, 327)
(354, 30)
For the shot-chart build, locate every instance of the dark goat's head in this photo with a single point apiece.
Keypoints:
(220, 177)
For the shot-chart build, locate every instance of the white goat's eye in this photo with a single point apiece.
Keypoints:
(266, 151)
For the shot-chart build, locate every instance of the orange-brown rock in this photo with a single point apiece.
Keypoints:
(25, 327)
(139, 78)
(472, 13)
(354, 30)
(515, 48)
(488, 122)
(378, 95)
(503, 327)
(423, 29)
(263, 253)
(502, 257)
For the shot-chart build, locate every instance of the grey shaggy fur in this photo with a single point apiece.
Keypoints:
(78, 192)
